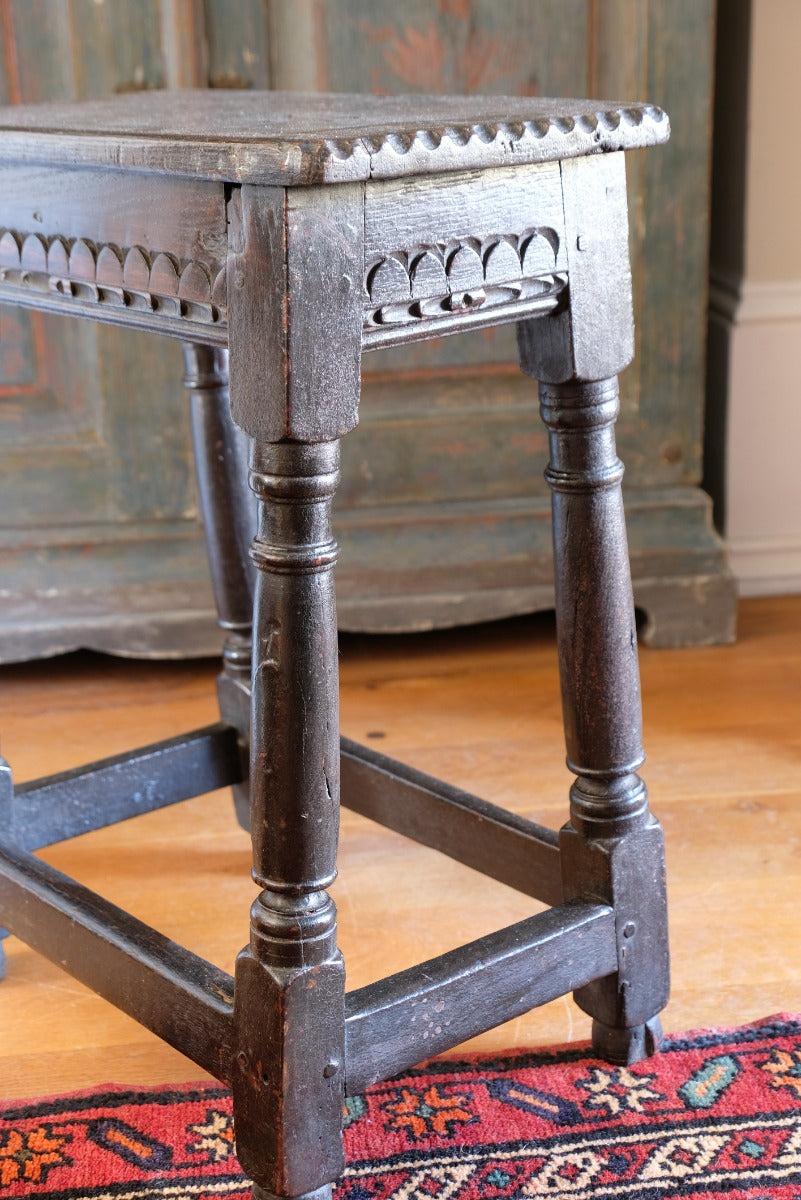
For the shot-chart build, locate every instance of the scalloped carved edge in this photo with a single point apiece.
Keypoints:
(107, 274)
(446, 279)
(586, 129)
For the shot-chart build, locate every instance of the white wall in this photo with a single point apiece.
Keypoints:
(755, 302)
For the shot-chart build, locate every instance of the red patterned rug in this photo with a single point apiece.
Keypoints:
(714, 1114)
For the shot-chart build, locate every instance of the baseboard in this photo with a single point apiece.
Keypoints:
(743, 302)
(753, 353)
(766, 566)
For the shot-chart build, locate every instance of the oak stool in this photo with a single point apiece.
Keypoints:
(286, 234)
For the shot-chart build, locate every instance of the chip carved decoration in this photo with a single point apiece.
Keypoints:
(76, 269)
(532, 138)
(464, 276)
(403, 289)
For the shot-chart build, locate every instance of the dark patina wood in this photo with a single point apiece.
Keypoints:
(180, 997)
(228, 509)
(310, 232)
(481, 835)
(70, 803)
(289, 1068)
(411, 1016)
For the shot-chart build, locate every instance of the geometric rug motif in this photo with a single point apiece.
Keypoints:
(714, 1114)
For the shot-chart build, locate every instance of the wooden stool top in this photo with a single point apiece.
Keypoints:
(292, 138)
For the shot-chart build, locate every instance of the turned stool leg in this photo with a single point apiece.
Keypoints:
(612, 848)
(289, 998)
(228, 510)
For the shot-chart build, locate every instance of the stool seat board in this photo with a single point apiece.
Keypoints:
(296, 139)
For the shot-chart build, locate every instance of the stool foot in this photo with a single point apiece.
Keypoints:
(626, 1046)
(321, 1193)
(2, 958)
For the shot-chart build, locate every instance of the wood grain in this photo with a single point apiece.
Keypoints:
(479, 708)
(287, 139)
(117, 460)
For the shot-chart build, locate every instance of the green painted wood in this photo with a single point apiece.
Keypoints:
(107, 549)
(38, 50)
(149, 441)
(444, 473)
(238, 48)
(116, 47)
(6, 93)
(435, 427)
(16, 349)
(672, 312)
(454, 46)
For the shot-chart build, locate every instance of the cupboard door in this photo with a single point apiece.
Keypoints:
(443, 515)
(444, 512)
(99, 539)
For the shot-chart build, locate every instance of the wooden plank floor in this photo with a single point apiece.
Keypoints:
(480, 708)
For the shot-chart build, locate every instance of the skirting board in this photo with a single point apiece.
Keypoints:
(743, 303)
(754, 337)
(767, 566)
